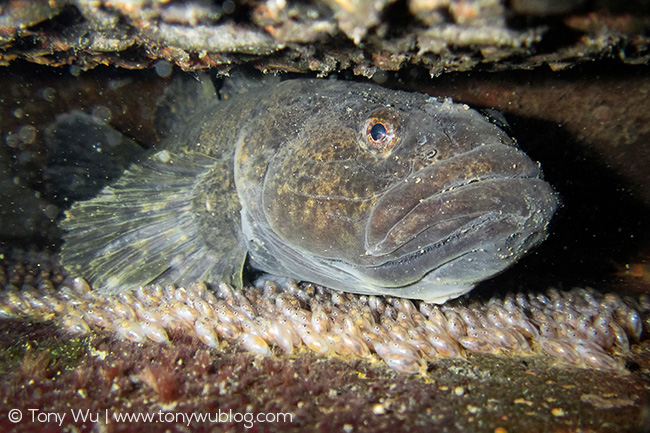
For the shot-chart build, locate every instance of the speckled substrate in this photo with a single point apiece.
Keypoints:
(529, 361)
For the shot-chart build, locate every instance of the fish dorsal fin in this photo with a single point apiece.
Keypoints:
(84, 154)
(180, 100)
(157, 224)
(244, 80)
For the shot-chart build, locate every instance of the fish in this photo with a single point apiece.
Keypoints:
(348, 185)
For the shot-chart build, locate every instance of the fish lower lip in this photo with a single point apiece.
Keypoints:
(413, 265)
(421, 253)
(450, 193)
(475, 250)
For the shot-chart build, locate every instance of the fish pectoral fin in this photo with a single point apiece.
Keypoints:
(150, 227)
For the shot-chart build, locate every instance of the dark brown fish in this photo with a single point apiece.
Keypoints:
(348, 185)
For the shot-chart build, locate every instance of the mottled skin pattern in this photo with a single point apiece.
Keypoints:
(347, 185)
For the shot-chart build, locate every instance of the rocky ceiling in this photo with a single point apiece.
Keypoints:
(365, 36)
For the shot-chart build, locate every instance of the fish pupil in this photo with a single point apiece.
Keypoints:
(378, 132)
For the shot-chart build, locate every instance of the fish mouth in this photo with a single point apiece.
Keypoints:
(488, 205)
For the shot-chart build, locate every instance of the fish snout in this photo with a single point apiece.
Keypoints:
(493, 184)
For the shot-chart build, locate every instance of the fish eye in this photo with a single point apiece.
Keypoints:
(379, 135)
(380, 132)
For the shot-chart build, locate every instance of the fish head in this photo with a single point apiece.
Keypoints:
(395, 193)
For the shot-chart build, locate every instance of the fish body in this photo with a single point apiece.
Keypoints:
(349, 185)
